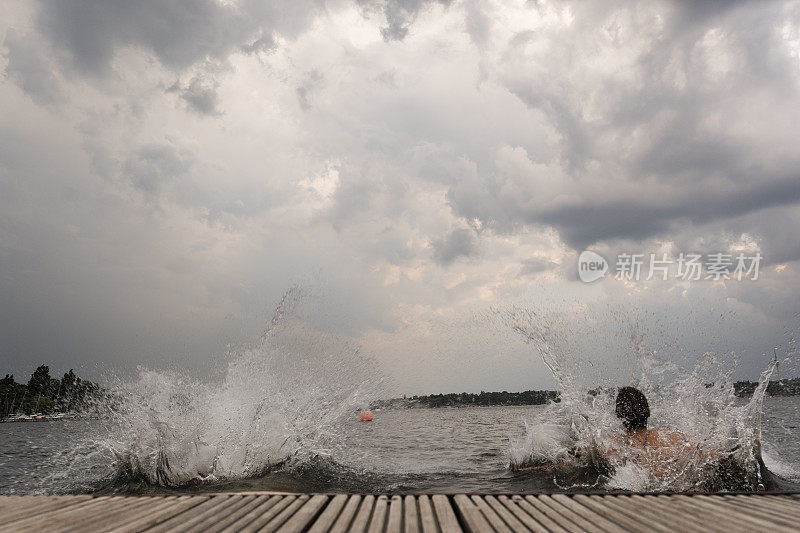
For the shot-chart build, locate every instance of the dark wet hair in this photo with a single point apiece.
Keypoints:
(632, 408)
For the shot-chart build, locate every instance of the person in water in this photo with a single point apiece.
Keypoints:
(661, 452)
(658, 450)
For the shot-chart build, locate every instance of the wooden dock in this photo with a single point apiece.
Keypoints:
(427, 513)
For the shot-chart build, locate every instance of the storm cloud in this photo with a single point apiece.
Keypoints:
(168, 169)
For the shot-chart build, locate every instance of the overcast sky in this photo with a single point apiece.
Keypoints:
(169, 168)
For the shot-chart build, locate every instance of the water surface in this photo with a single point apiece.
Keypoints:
(410, 450)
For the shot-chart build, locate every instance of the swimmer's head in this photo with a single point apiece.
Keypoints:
(632, 408)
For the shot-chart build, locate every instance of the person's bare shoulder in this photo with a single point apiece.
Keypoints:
(672, 439)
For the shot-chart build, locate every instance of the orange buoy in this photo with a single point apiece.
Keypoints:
(366, 416)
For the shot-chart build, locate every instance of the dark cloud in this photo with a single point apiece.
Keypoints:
(265, 43)
(693, 12)
(649, 151)
(201, 96)
(400, 14)
(605, 213)
(459, 243)
(477, 23)
(588, 223)
(179, 32)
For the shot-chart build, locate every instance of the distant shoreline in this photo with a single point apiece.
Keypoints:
(742, 389)
(467, 399)
(45, 398)
(780, 387)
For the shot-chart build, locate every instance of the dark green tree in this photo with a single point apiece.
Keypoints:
(39, 384)
(68, 381)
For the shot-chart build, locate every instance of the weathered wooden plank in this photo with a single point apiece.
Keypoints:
(17, 507)
(427, 517)
(325, 520)
(271, 506)
(445, 515)
(262, 519)
(570, 515)
(643, 517)
(673, 507)
(281, 518)
(521, 515)
(154, 518)
(53, 518)
(699, 515)
(191, 516)
(507, 516)
(16, 501)
(557, 515)
(540, 517)
(768, 516)
(342, 523)
(727, 508)
(263, 513)
(61, 522)
(492, 517)
(118, 518)
(410, 514)
(304, 514)
(767, 503)
(362, 516)
(37, 513)
(471, 515)
(215, 506)
(735, 518)
(587, 514)
(394, 522)
(231, 506)
(14, 505)
(664, 516)
(117, 511)
(258, 502)
(37, 505)
(627, 522)
(732, 519)
(378, 521)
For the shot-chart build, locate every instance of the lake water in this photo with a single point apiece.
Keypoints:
(415, 450)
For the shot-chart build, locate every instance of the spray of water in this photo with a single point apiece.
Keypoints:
(582, 434)
(280, 402)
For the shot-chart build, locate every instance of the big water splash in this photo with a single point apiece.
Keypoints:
(582, 437)
(280, 402)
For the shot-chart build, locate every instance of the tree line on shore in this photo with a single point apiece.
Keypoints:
(45, 394)
(779, 387)
(462, 399)
(784, 387)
